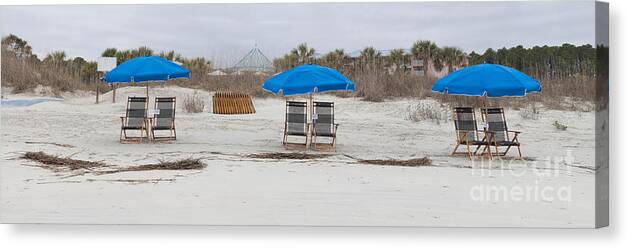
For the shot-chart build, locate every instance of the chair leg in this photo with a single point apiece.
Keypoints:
(284, 138)
(308, 137)
(519, 149)
(458, 139)
(174, 130)
(469, 151)
(507, 149)
(477, 148)
(484, 150)
(488, 145)
(455, 148)
(497, 152)
(308, 141)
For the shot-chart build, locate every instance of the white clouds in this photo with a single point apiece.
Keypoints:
(225, 31)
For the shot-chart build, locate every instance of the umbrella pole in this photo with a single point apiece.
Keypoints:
(97, 93)
(114, 93)
(485, 106)
(311, 109)
(147, 91)
(311, 112)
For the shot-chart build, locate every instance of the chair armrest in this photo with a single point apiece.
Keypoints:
(517, 132)
(486, 131)
(488, 135)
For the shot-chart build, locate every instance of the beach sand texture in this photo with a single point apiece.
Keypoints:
(235, 189)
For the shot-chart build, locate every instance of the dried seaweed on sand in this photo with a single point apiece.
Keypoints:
(425, 161)
(292, 155)
(57, 163)
(184, 164)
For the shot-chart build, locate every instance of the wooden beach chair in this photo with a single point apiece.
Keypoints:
(163, 119)
(296, 121)
(323, 122)
(499, 135)
(467, 133)
(135, 119)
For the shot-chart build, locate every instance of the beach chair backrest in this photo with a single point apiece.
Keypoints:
(465, 123)
(324, 122)
(296, 117)
(496, 121)
(165, 108)
(136, 111)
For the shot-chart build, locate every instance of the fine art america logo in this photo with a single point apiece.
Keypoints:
(530, 181)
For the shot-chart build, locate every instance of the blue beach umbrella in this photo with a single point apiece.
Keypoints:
(145, 69)
(307, 79)
(142, 69)
(487, 80)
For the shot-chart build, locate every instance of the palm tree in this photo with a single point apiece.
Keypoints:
(369, 56)
(109, 52)
(286, 62)
(335, 59)
(143, 51)
(56, 58)
(77, 64)
(167, 55)
(452, 57)
(199, 64)
(428, 52)
(123, 56)
(88, 71)
(398, 58)
(303, 53)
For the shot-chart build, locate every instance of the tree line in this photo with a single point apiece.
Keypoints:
(195, 65)
(23, 69)
(397, 60)
(565, 70)
(542, 62)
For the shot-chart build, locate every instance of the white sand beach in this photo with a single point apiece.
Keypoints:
(338, 190)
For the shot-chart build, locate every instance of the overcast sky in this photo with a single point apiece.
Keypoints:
(225, 32)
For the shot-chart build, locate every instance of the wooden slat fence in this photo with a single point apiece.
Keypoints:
(229, 103)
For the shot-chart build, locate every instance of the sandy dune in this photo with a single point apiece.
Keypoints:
(337, 190)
